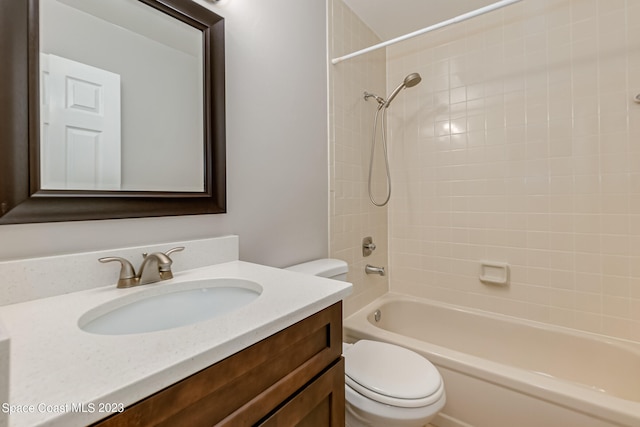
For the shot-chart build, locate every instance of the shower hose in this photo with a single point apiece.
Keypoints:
(384, 151)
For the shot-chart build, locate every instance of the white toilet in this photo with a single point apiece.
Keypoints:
(385, 385)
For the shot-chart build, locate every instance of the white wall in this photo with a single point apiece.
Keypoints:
(276, 148)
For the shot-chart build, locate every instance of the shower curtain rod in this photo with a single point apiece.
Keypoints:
(425, 30)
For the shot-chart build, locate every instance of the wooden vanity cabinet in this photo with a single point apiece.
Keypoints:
(292, 378)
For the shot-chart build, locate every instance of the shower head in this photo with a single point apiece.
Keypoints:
(410, 81)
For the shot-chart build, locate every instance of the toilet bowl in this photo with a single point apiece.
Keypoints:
(388, 385)
(385, 384)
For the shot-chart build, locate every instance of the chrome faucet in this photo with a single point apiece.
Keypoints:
(154, 268)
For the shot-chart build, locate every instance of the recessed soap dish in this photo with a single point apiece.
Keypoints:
(494, 273)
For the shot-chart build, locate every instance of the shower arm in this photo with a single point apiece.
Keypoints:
(368, 95)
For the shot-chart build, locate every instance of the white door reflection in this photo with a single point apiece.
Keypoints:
(80, 126)
(160, 62)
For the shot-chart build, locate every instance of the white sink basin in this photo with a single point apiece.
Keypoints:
(175, 305)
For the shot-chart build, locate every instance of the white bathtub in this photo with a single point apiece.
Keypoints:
(501, 371)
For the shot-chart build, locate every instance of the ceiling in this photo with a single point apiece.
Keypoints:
(393, 18)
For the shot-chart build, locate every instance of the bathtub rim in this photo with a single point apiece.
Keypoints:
(564, 393)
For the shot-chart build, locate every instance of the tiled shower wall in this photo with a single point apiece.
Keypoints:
(522, 145)
(352, 215)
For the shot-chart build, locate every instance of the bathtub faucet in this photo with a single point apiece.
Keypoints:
(370, 269)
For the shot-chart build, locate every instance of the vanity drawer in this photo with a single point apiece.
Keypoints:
(249, 385)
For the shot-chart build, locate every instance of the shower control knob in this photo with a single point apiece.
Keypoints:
(368, 246)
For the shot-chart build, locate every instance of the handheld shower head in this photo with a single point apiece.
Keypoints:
(410, 81)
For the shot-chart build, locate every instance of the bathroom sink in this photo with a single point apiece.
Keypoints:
(171, 306)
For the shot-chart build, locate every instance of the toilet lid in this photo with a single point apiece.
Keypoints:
(391, 374)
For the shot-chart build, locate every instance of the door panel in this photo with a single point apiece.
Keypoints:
(80, 130)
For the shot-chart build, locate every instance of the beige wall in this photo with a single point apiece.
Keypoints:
(352, 216)
(522, 145)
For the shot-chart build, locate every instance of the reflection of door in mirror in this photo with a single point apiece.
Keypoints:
(160, 63)
(80, 126)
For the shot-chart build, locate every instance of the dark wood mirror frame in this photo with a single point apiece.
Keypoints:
(21, 199)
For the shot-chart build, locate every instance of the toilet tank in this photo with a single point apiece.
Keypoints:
(326, 267)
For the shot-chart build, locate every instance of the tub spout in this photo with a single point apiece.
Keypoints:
(370, 269)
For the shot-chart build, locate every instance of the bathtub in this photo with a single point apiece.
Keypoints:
(500, 371)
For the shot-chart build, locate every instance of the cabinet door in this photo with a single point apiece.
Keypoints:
(320, 404)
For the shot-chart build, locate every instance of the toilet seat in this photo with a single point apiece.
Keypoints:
(392, 375)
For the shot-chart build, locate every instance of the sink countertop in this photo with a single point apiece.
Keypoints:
(63, 376)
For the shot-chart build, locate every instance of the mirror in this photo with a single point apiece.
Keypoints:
(125, 111)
